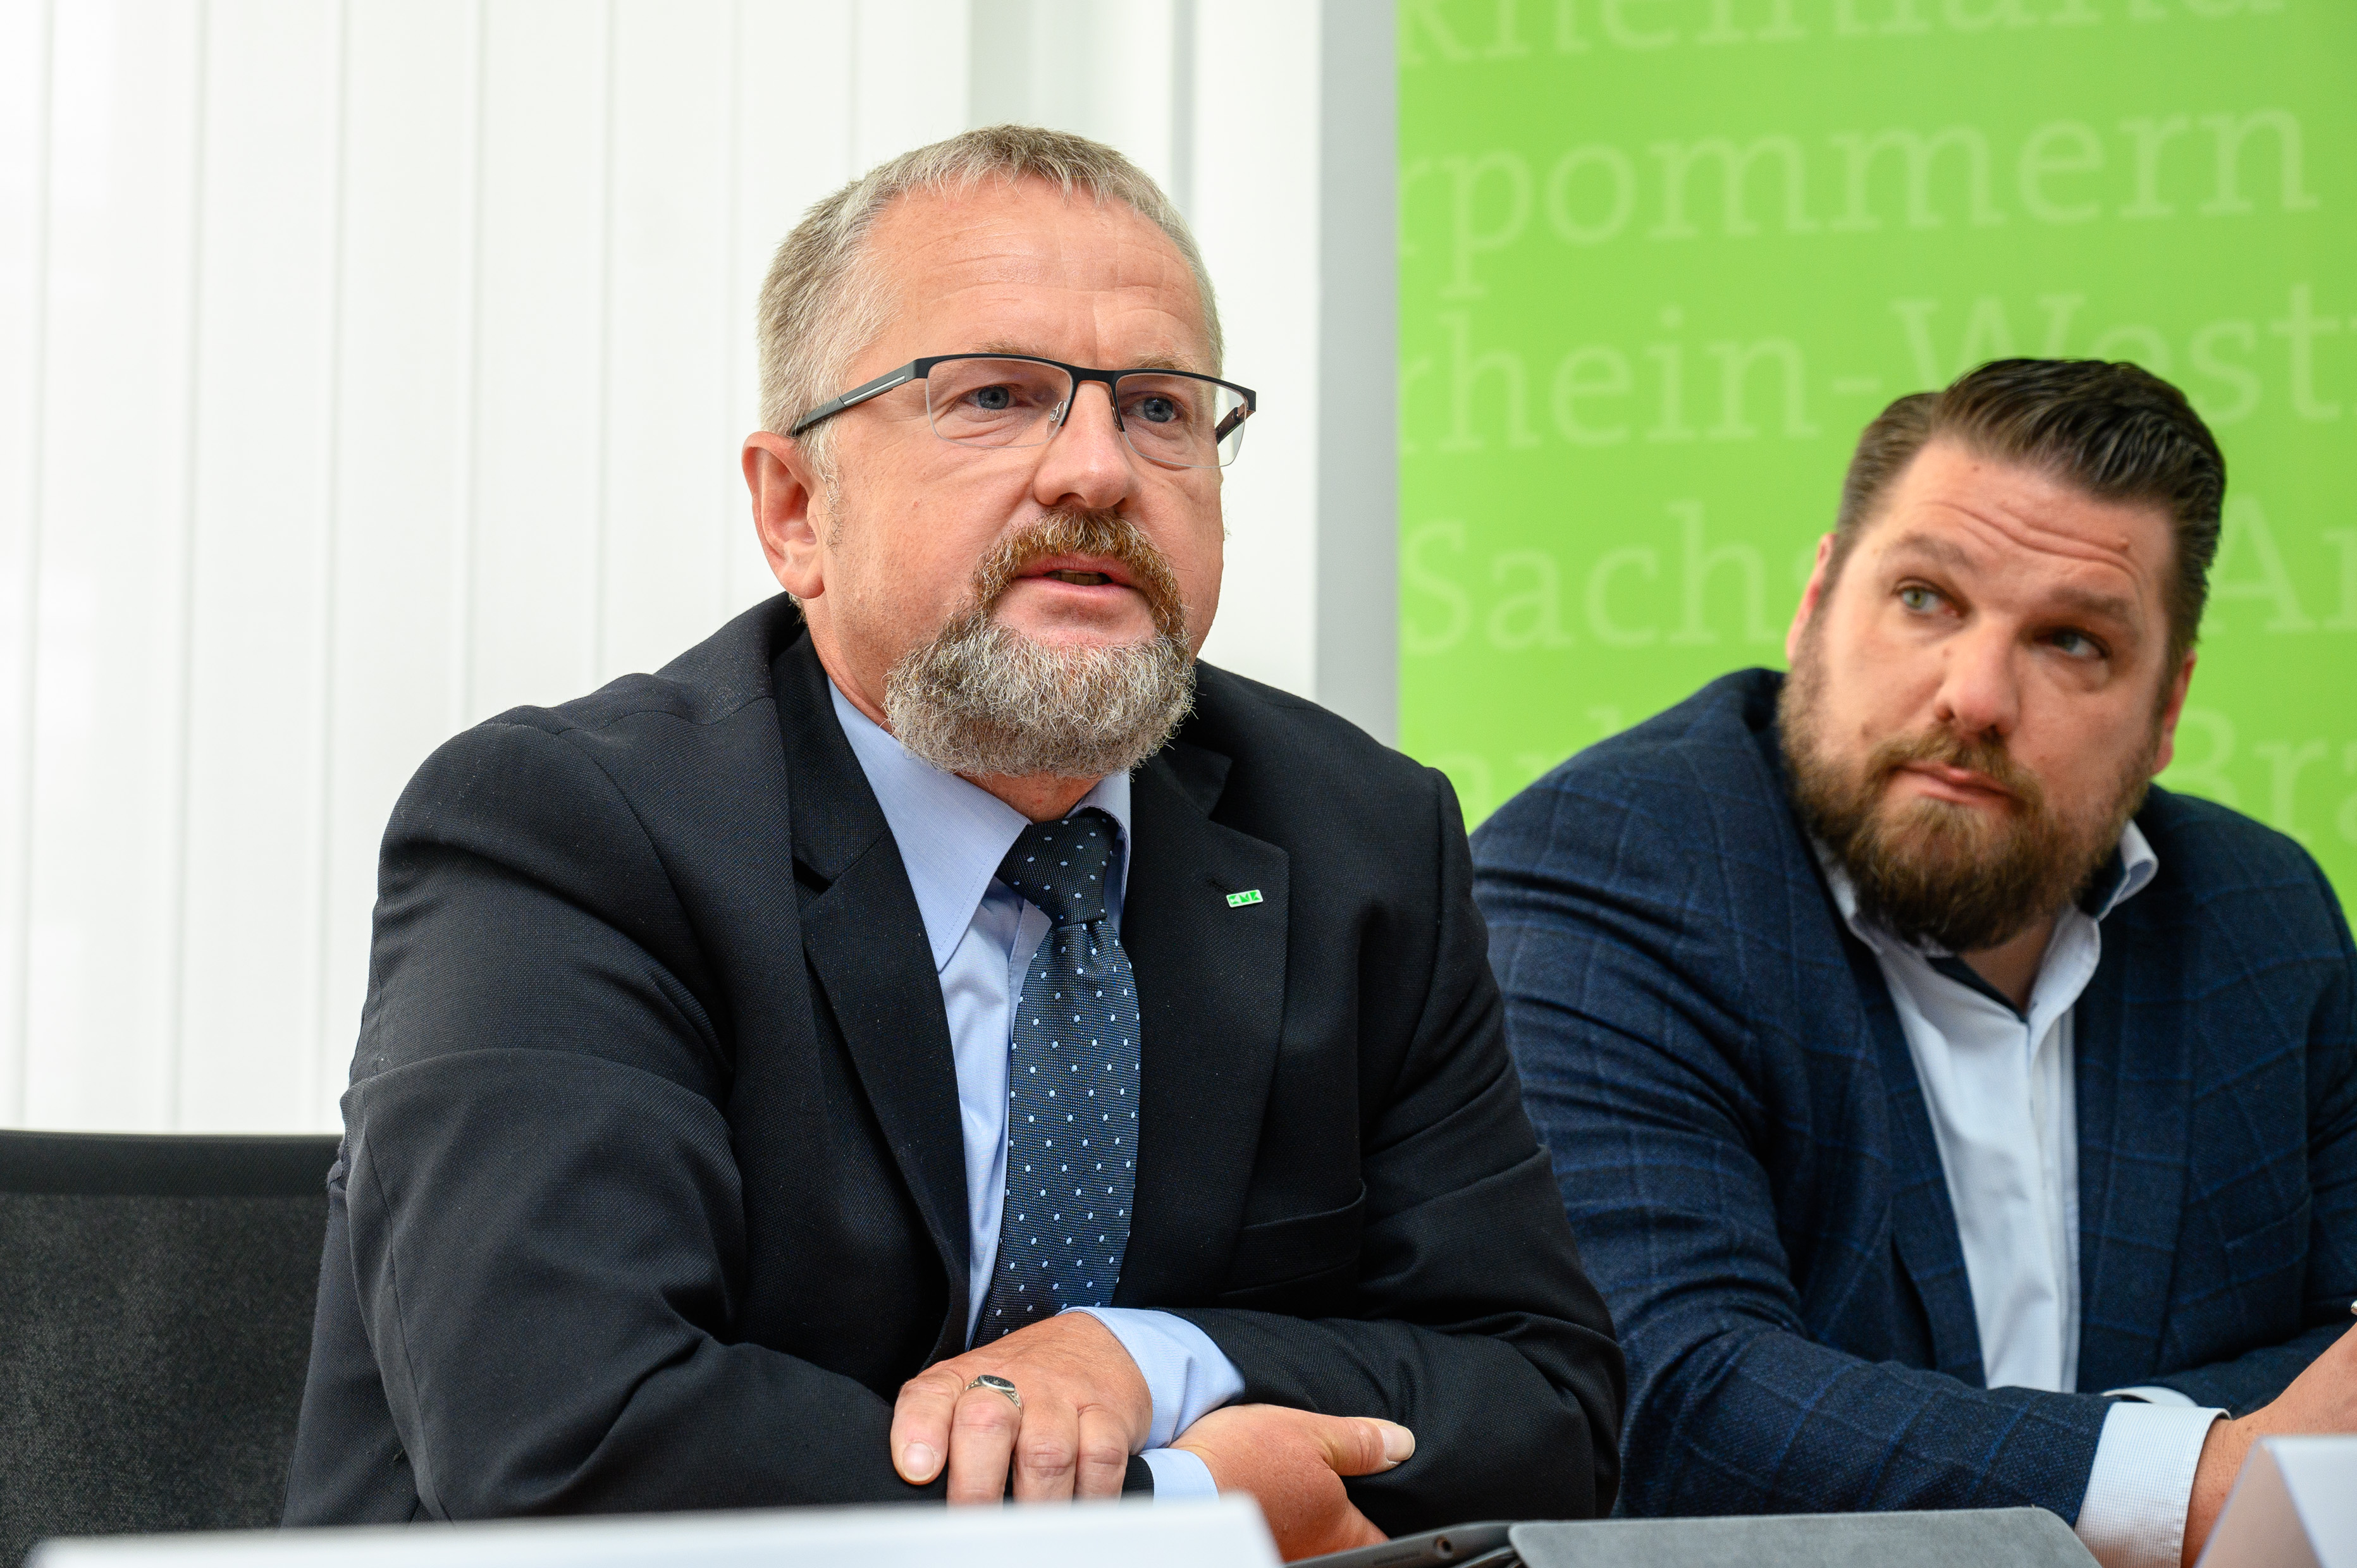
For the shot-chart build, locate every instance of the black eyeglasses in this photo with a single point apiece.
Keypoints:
(1175, 418)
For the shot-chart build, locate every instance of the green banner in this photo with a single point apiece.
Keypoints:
(1661, 260)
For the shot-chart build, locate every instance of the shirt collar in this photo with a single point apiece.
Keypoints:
(952, 834)
(2137, 867)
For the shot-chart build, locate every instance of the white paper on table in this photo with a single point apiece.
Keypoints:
(1213, 1533)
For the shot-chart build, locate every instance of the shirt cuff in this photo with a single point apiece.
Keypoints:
(1179, 1477)
(2133, 1513)
(2154, 1393)
(1185, 1373)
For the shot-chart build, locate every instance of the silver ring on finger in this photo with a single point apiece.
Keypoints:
(996, 1385)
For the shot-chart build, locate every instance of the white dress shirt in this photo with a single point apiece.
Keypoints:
(952, 836)
(1998, 1087)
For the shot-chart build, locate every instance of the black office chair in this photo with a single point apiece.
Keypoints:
(156, 1297)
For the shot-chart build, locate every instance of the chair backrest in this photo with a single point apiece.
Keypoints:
(155, 1301)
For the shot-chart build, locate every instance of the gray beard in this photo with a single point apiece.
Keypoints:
(983, 700)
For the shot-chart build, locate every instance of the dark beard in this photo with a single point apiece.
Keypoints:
(983, 700)
(1931, 871)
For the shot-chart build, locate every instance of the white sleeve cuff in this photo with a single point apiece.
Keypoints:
(2154, 1393)
(1179, 1477)
(2133, 1513)
(1185, 1373)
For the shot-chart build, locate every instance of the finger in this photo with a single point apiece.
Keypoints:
(1363, 1444)
(920, 1423)
(1104, 1455)
(981, 1438)
(1047, 1450)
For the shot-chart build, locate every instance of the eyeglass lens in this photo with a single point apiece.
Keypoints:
(1174, 420)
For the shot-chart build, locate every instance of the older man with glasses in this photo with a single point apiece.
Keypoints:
(936, 1038)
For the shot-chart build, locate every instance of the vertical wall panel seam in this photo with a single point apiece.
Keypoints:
(176, 969)
(601, 543)
(732, 358)
(324, 588)
(1182, 106)
(462, 655)
(37, 372)
(1354, 647)
(851, 78)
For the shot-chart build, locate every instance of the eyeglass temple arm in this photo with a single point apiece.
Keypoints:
(856, 396)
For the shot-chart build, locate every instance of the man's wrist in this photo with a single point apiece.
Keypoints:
(1185, 1375)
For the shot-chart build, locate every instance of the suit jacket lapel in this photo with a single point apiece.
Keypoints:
(865, 943)
(1210, 985)
(1923, 1219)
(2134, 1102)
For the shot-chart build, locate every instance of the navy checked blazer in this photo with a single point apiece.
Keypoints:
(1743, 1148)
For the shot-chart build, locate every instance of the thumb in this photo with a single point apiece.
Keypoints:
(1362, 1444)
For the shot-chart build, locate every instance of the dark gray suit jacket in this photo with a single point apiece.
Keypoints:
(651, 1192)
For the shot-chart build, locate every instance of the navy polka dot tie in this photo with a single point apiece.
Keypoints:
(1071, 1087)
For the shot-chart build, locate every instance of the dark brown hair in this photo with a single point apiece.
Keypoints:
(2115, 430)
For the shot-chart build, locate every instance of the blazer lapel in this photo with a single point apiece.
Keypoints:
(2134, 1102)
(1210, 985)
(865, 943)
(1922, 1220)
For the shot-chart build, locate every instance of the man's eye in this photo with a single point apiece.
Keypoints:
(1156, 409)
(1919, 599)
(993, 400)
(2077, 645)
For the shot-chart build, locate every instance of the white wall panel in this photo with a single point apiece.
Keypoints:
(366, 369)
(250, 675)
(24, 59)
(1256, 215)
(536, 566)
(1113, 72)
(398, 501)
(909, 75)
(109, 756)
(667, 444)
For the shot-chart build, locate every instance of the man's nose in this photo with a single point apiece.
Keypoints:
(1086, 463)
(1980, 686)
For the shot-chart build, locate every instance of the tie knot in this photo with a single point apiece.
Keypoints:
(1060, 867)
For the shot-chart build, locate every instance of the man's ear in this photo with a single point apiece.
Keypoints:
(787, 496)
(1809, 597)
(2171, 709)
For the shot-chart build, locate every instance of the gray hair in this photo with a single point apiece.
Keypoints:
(820, 304)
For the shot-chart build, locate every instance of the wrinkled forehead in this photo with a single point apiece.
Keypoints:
(1998, 520)
(993, 261)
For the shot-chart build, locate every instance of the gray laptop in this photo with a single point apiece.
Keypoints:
(1969, 1538)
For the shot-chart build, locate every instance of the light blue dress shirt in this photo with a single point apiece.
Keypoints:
(952, 837)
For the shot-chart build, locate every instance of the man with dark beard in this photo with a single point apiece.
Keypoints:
(1951, 1118)
(936, 1039)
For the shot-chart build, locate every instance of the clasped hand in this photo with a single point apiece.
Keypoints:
(1086, 1409)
